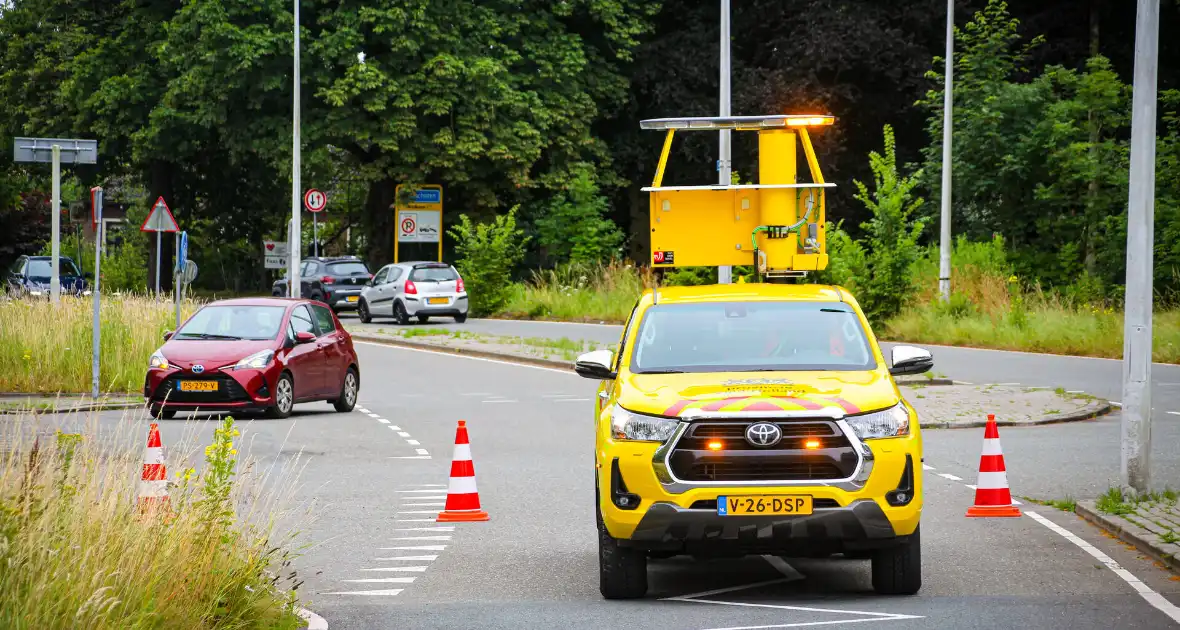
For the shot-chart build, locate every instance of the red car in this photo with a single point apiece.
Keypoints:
(255, 353)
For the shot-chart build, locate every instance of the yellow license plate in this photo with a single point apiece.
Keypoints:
(198, 386)
(436, 301)
(351, 298)
(769, 505)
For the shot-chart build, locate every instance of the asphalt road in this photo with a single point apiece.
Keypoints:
(374, 478)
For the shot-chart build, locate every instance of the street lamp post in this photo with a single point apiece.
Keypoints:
(1136, 423)
(293, 279)
(725, 272)
(944, 241)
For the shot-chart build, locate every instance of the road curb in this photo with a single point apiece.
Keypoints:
(1130, 533)
(482, 354)
(314, 621)
(1090, 411)
(100, 405)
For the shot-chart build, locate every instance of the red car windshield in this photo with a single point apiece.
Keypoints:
(234, 322)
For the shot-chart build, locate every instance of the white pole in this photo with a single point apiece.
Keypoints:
(176, 281)
(157, 264)
(725, 272)
(55, 247)
(315, 232)
(944, 241)
(293, 285)
(94, 291)
(1136, 424)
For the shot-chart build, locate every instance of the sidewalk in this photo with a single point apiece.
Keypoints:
(1150, 523)
(940, 403)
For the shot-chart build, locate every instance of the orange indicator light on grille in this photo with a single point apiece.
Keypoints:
(716, 446)
(811, 444)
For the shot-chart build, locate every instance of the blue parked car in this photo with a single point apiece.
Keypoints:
(29, 277)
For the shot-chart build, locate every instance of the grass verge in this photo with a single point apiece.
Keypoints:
(47, 349)
(76, 552)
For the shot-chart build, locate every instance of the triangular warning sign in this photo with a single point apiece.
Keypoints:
(160, 219)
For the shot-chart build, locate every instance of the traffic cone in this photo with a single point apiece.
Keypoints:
(462, 497)
(153, 484)
(992, 496)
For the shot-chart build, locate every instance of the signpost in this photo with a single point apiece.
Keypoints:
(181, 261)
(419, 219)
(315, 202)
(55, 151)
(96, 200)
(159, 220)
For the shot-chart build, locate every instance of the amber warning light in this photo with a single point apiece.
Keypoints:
(716, 446)
(811, 445)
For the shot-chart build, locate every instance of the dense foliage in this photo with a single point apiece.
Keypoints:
(535, 104)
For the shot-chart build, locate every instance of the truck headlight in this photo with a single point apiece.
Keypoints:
(633, 426)
(256, 361)
(890, 422)
(158, 362)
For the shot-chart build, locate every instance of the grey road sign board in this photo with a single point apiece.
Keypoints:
(73, 151)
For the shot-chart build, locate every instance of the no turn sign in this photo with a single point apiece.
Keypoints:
(315, 200)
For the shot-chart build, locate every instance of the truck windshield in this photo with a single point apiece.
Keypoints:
(751, 337)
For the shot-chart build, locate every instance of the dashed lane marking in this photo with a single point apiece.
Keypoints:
(498, 401)
(403, 434)
(926, 467)
(382, 421)
(950, 476)
(435, 512)
(415, 548)
(430, 558)
(410, 457)
(405, 491)
(413, 442)
(417, 569)
(422, 451)
(422, 538)
(384, 580)
(392, 591)
(1173, 413)
(417, 520)
(440, 528)
(1145, 591)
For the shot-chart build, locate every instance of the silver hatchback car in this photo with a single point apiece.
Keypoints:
(414, 289)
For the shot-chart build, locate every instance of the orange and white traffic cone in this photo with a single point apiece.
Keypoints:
(992, 496)
(462, 497)
(153, 484)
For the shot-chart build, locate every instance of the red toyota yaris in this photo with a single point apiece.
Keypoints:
(256, 353)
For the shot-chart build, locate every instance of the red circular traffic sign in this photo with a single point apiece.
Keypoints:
(315, 200)
(408, 225)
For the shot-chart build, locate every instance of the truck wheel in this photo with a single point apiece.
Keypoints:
(622, 572)
(898, 570)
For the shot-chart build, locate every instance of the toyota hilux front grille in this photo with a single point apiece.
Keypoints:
(717, 451)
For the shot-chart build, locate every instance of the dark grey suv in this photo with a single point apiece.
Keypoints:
(336, 282)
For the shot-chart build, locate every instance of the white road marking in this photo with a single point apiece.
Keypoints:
(404, 491)
(498, 401)
(422, 451)
(394, 428)
(421, 569)
(403, 434)
(469, 358)
(440, 528)
(382, 421)
(950, 476)
(417, 548)
(971, 485)
(431, 498)
(730, 589)
(416, 520)
(783, 567)
(476, 394)
(413, 442)
(386, 580)
(433, 504)
(1173, 413)
(361, 409)
(372, 415)
(429, 558)
(411, 456)
(1145, 591)
(925, 467)
(393, 591)
(423, 538)
(420, 512)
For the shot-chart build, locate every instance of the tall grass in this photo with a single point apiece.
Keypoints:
(598, 292)
(77, 552)
(46, 348)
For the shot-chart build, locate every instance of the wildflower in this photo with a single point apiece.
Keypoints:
(236, 433)
(233, 451)
(1013, 279)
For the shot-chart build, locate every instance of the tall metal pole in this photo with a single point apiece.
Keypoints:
(158, 240)
(95, 330)
(55, 247)
(1136, 433)
(293, 283)
(944, 241)
(724, 273)
(176, 282)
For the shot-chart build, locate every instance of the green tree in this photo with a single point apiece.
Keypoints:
(574, 226)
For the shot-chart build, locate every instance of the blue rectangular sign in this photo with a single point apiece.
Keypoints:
(428, 195)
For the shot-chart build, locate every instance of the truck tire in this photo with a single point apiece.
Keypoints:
(622, 572)
(898, 570)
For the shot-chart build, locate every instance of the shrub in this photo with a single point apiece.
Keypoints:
(574, 227)
(487, 254)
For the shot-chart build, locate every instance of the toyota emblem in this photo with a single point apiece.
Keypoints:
(763, 434)
(198, 368)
